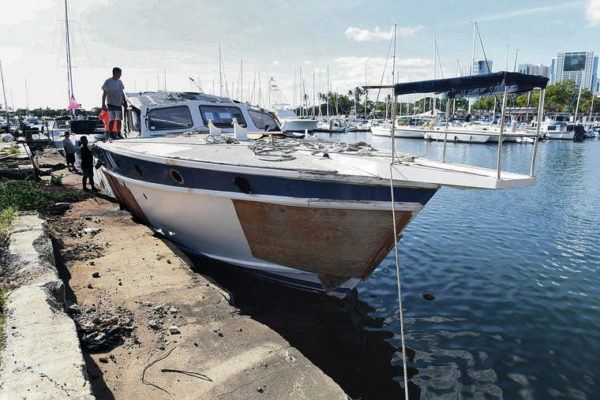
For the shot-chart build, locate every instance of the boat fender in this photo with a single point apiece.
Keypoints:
(243, 184)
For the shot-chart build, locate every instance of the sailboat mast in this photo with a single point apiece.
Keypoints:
(4, 93)
(26, 97)
(68, 50)
(471, 70)
(220, 72)
(393, 67)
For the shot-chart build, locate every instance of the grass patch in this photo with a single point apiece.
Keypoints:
(29, 195)
(13, 150)
(6, 217)
(56, 180)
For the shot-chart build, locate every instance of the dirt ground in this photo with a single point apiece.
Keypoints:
(152, 328)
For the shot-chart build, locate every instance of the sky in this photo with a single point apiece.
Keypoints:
(162, 43)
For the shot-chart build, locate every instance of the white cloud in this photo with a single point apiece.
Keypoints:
(365, 35)
(350, 71)
(276, 63)
(592, 12)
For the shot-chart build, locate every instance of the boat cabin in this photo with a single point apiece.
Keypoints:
(164, 113)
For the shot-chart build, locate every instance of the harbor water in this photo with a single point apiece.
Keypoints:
(515, 273)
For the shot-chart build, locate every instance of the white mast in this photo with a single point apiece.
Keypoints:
(471, 69)
(393, 67)
(434, 72)
(26, 97)
(578, 99)
(220, 72)
(242, 80)
(473, 51)
(70, 92)
(4, 93)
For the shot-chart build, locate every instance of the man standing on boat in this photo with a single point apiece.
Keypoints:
(113, 99)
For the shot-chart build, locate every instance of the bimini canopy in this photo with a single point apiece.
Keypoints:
(475, 85)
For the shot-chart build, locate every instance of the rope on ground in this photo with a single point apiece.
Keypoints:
(145, 382)
(193, 374)
(399, 284)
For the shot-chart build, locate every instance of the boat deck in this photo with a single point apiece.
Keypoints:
(300, 159)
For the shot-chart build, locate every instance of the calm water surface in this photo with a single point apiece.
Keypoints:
(515, 276)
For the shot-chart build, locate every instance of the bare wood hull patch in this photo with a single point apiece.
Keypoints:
(337, 242)
(126, 198)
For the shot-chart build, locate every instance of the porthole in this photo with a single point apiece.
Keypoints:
(176, 176)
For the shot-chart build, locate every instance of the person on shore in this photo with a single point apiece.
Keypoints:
(69, 149)
(87, 164)
(113, 99)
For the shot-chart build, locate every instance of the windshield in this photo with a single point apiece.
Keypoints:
(263, 120)
(169, 118)
(222, 116)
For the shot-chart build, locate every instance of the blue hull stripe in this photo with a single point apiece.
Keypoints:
(196, 178)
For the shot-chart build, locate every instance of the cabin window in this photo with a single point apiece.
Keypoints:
(222, 116)
(169, 118)
(263, 120)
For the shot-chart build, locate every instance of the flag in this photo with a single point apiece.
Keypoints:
(73, 105)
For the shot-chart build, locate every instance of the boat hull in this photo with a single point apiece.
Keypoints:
(320, 245)
(408, 133)
(298, 125)
(567, 135)
(455, 136)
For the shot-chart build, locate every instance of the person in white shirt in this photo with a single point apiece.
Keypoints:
(70, 150)
(113, 99)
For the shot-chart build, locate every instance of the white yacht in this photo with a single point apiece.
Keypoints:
(316, 215)
(291, 122)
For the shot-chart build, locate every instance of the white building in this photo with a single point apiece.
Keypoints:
(579, 67)
(482, 67)
(535, 69)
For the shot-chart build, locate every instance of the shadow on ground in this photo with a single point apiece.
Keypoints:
(338, 336)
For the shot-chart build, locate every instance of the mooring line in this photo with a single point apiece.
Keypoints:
(398, 283)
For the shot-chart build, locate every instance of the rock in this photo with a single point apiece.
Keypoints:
(90, 286)
(173, 310)
(103, 360)
(174, 330)
(428, 296)
(92, 263)
(153, 324)
(96, 274)
(74, 309)
(92, 231)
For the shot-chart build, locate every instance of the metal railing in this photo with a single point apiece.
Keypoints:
(501, 134)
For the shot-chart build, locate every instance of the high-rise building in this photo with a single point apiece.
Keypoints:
(579, 67)
(535, 69)
(482, 67)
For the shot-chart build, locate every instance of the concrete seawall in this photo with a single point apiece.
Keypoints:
(41, 357)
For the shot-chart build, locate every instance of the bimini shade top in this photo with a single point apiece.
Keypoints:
(475, 85)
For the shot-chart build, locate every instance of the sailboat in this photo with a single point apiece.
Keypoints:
(79, 126)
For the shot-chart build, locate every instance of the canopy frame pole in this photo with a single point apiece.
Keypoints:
(540, 118)
(446, 129)
(501, 136)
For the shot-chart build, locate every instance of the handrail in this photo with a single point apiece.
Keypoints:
(540, 118)
(502, 125)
